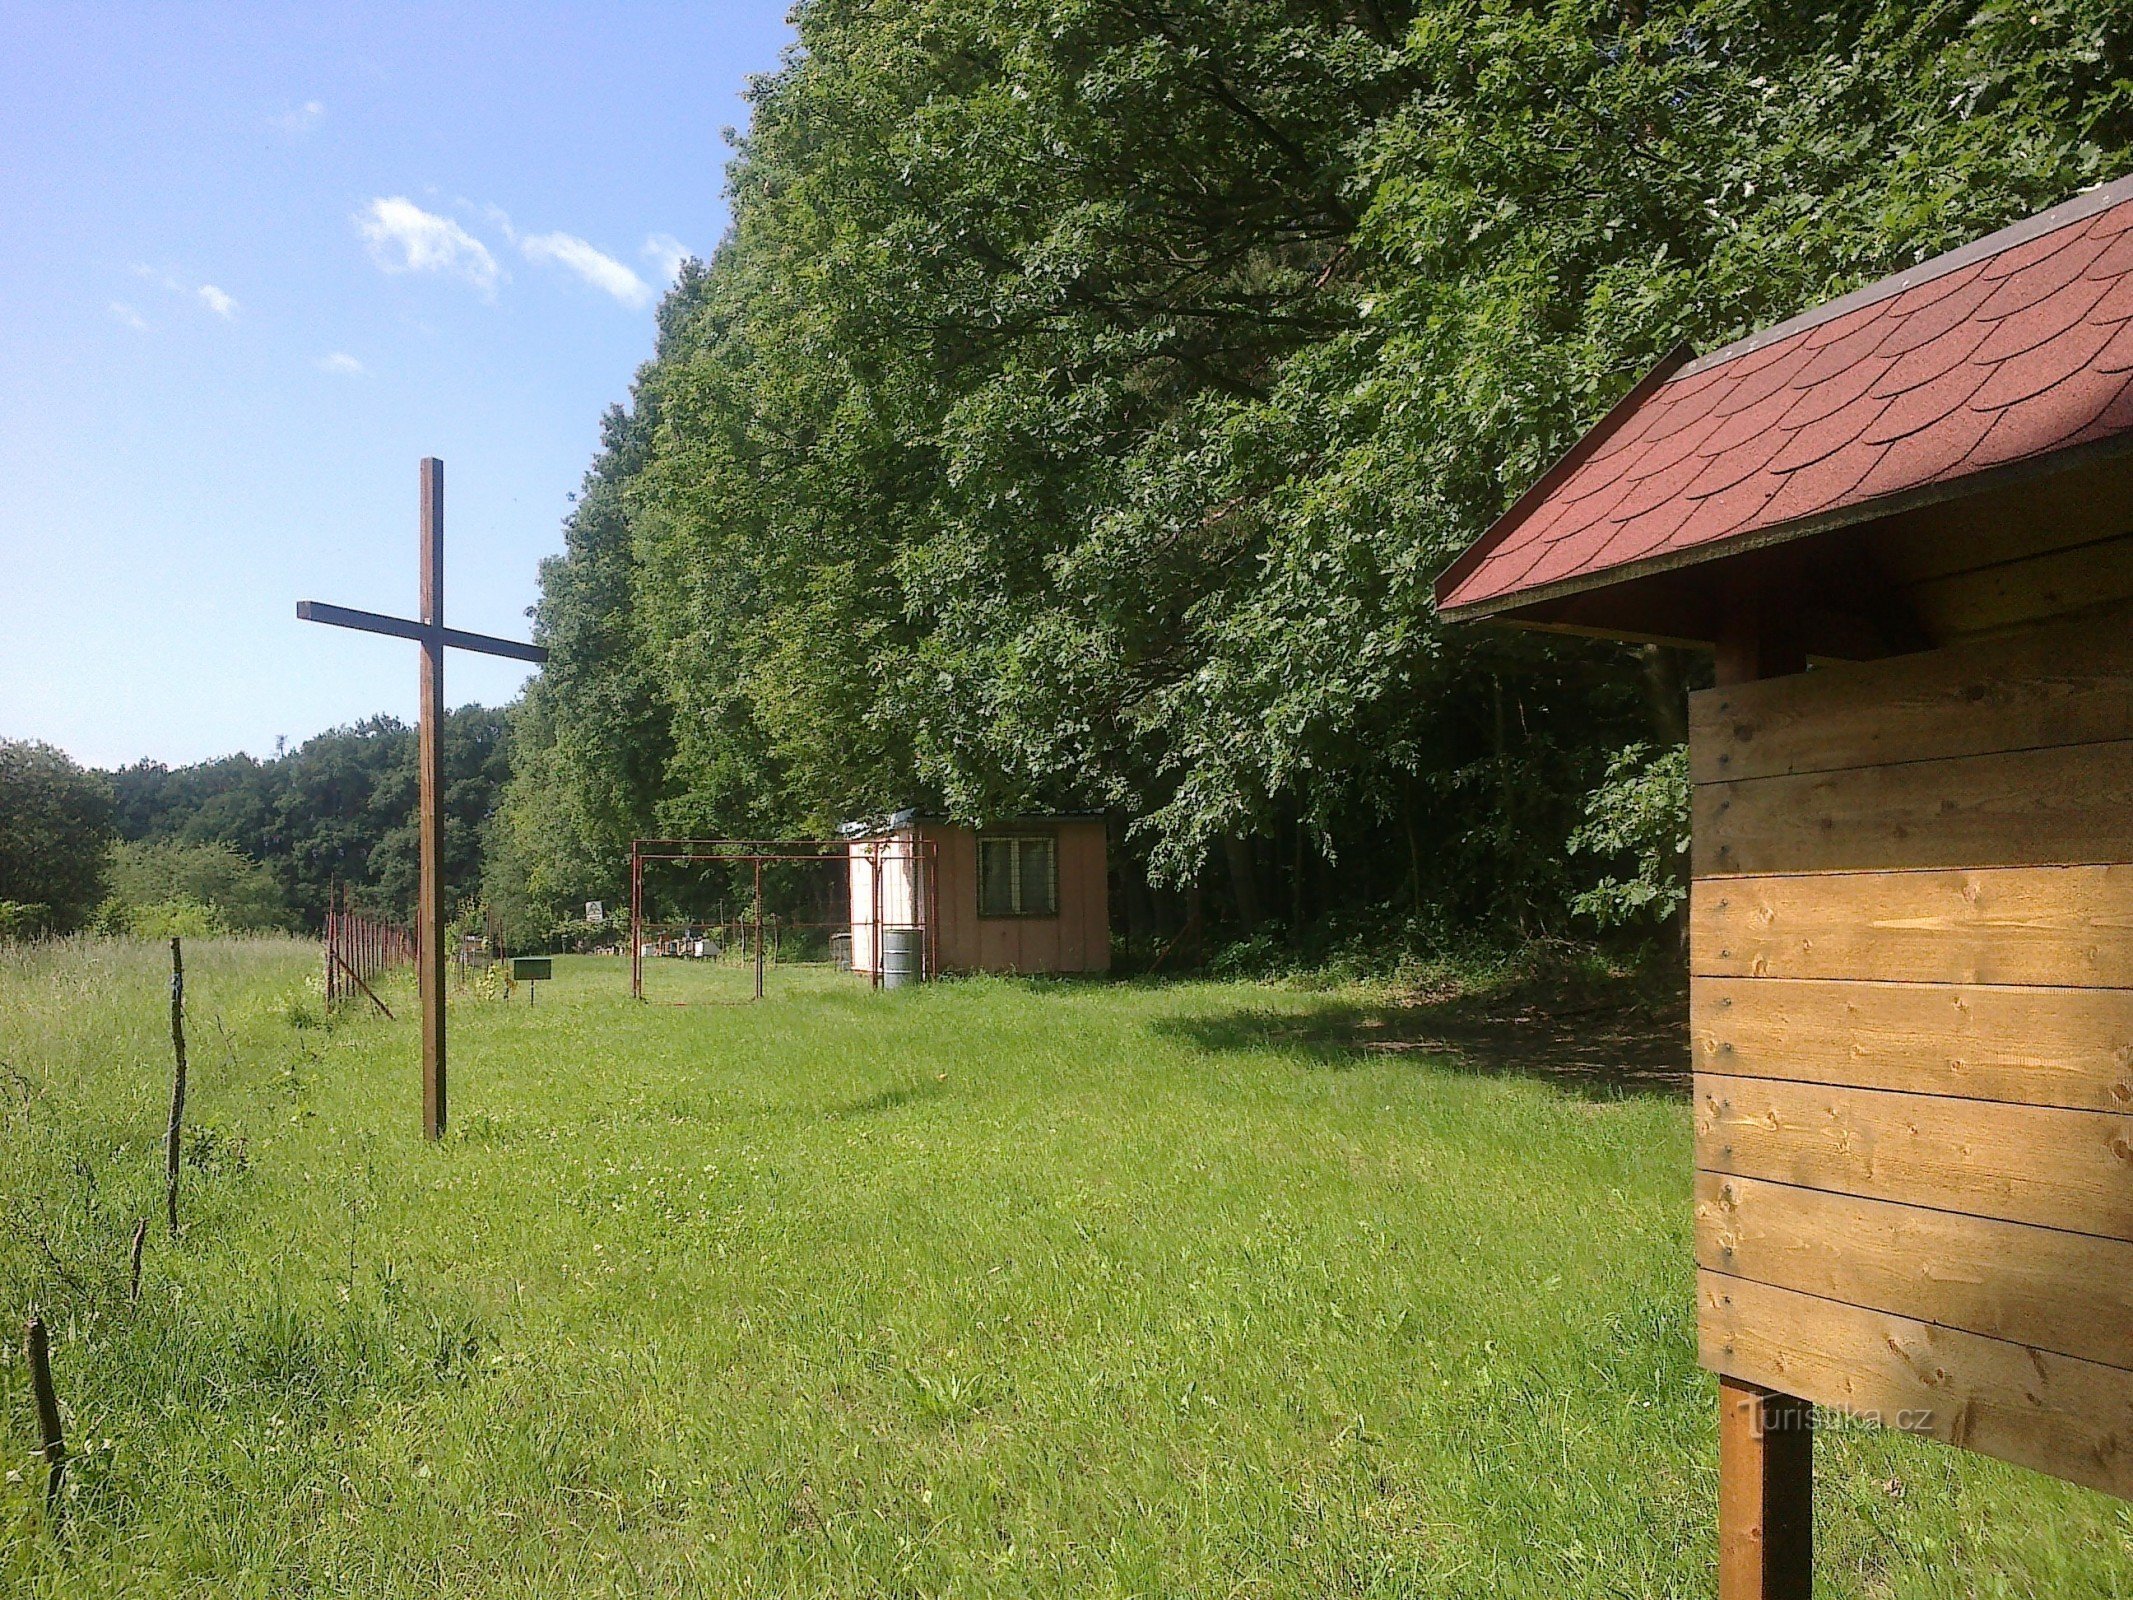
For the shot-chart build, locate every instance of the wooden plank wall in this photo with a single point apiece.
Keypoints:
(1912, 1009)
(1076, 940)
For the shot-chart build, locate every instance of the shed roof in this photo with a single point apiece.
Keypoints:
(899, 821)
(2016, 347)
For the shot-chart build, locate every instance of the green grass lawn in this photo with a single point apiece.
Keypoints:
(989, 1288)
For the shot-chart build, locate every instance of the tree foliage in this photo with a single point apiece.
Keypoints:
(339, 809)
(55, 827)
(1089, 391)
(231, 891)
(1638, 821)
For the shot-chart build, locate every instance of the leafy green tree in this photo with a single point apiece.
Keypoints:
(338, 809)
(55, 827)
(242, 895)
(1088, 393)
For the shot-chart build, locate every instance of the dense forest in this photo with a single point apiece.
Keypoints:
(241, 844)
(337, 810)
(1088, 392)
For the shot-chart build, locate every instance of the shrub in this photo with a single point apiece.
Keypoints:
(180, 918)
(20, 921)
(1640, 816)
(154, 882)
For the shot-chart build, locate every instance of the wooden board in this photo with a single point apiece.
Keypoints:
(2058, 1414)
(2067, 1292)
(2054, 686)
(2035, 1164)
(2037, 1046)
(2017, 593)
(2005, 523)
(2066, 926)
(2017, 808)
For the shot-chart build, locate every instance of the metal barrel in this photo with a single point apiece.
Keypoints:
(903, 955)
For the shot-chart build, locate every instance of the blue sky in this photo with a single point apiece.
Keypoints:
(258, 262)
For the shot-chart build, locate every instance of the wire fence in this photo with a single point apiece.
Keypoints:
(360, 948)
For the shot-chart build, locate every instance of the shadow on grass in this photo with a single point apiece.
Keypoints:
(1603, 1041)
(889, 1099)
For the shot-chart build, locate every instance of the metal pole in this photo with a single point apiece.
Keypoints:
(429, 920)
(636, 922)
(759, 930)
(931, 858)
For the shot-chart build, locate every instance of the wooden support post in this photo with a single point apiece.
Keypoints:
(1766, 1544)
(1766, 1448)
(636, 921)
(430, 916)
(759, 930)
(1761, 634)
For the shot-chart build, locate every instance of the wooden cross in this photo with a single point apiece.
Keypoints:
(431, 633)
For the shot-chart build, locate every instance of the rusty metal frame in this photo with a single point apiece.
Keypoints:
(923, 854)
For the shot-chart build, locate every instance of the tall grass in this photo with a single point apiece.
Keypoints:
(990, 1288)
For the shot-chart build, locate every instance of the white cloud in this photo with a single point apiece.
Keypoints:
(303, 118)
(667, 253)
(596, 267)
(219, 301)
(132, 318)
(405, 238)
(342, 364)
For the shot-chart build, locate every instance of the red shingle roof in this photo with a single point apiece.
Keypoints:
(2011, 348)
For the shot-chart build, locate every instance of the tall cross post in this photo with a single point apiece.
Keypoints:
(431, 633)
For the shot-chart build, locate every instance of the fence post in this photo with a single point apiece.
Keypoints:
(53, 1442)
(177, 1082)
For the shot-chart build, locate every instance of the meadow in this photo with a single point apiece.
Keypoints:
(986, 1288)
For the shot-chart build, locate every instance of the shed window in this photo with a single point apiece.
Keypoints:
(1018, 876)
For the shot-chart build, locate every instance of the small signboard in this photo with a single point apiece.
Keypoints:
(595, 911)
(529, 970)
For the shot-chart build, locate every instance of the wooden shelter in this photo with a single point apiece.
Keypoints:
(1029, 894)
(1904, 522)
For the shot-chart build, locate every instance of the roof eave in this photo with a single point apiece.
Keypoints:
(1505, 608)
(1568, 462)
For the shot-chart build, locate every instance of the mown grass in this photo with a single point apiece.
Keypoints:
(993, 1288)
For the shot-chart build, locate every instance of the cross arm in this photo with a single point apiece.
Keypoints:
(402, 628)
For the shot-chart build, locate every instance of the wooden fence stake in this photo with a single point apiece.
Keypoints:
(53, 1442)
(177, 1084)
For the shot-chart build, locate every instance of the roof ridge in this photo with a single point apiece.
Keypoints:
(2090, 203)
